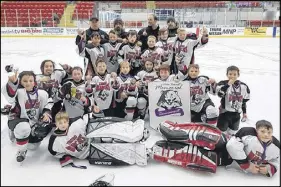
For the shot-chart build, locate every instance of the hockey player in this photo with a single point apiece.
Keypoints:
(183, 49)
(131, 52)
(50, 80)
(127, 92)
(111, 54)
(166, 44)
(201, 106)
(255, 150)
(101, 90)
(91, 52)
(83, 139)
(75, 101)
(234, 94)
(144, 77)
(29, 119)
(154, 52)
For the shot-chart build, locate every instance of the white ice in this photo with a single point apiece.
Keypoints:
(258, 59)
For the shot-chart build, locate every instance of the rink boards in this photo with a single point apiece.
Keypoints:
(214, 32)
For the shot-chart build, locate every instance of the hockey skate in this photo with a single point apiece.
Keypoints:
(117, 129)
(21, 156)
(187, 156)
(199, 134)
(105, 180)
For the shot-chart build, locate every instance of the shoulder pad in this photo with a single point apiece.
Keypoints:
(246, 131)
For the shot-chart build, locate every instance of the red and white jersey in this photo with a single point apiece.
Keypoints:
(103, 91)
(129, 53)
(167, 47)
(124, 85)
(155, 54)
(111, 56)
(52, 85)
(184, 50)
(71, 142)
(28, 105)
(245, 147)
(143, 76)
(199, 88)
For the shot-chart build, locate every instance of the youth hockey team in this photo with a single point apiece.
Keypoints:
(97, 110)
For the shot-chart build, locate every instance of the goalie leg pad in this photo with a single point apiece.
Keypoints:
(116, 128)
(117, 154)
(131, 104)
(187, 156)
(202, 135)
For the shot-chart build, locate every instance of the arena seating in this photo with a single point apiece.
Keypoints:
(264, 23)
(19, 13)
(133, 5)
(83, 10)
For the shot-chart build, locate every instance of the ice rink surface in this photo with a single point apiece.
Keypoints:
(257, 58)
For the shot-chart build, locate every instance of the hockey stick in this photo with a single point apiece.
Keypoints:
(105, 119)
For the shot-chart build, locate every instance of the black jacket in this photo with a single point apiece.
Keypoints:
(149, 31)
(104, 36)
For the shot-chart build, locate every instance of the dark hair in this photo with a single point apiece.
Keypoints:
(26, 73)
(264, 123)
(95, 34)
(154, 17)
(232, 68)
(132, 32)
(43, 64)
(77, 68)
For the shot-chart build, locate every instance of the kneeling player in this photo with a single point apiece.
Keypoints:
(102, 144)
(201, 105)
(255, 150)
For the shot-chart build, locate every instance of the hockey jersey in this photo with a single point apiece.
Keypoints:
(156, 54)
(92, 53)
(51, 83)
(28, 105)
(167, 47)
(245, 147)
(124, 85)
(74, 106)
(102, 92)
(72, 142)
(199, 88)
(111, 55)
(184, 50)
(234, 97)
(145, 77)
(130, 53)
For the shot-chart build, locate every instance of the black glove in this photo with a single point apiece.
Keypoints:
(40, 130)
(66, 90)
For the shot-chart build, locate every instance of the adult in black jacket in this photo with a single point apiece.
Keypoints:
(172, 26)
(118, 28)
(152, 29)
(94, 27)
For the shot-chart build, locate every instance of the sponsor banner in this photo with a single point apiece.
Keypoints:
(169, 101)
(71, 31)
(255, 31)
(226, 31)
(53, 31)
(21, 31)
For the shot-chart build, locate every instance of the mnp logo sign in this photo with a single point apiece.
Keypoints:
(228, 31)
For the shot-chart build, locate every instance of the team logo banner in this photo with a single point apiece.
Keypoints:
(169, 101)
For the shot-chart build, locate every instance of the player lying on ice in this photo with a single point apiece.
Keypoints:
(103, 141)
(204, 147)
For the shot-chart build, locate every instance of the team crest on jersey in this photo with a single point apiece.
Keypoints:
(196, 92)
(236, 100)
(170, 101)
(103, 94)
